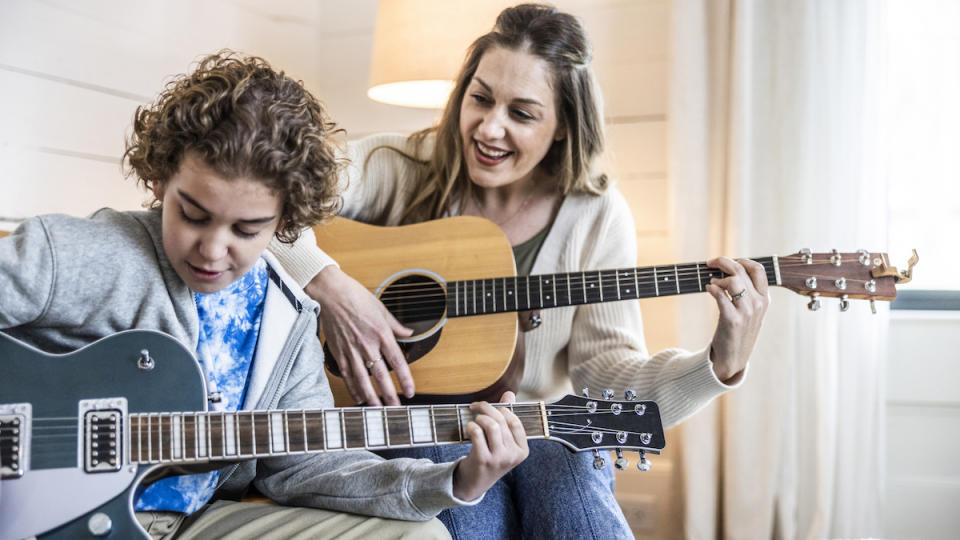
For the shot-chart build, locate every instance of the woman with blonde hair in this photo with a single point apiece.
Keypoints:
(517, 144)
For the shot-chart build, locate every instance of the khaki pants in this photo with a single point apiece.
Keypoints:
(242, 520)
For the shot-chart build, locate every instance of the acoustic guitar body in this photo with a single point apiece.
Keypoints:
(453, 359)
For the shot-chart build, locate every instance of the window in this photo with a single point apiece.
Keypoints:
(924, 139)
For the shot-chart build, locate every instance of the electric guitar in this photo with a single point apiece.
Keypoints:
(78, 432)
(453, 282)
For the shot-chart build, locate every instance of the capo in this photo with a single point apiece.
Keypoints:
(883, 270)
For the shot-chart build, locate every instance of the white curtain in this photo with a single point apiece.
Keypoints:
(776, 145)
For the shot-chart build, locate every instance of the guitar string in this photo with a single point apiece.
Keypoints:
(433, 305)
(684, 269)
(68, 449)
(531, 411)
(609, 276)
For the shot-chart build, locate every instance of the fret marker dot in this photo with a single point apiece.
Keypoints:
(488, 294)
(548, 297)
(591, 285)
(509, 292)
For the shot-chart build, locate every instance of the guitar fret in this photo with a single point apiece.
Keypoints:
(699, 279)
(175, 440)
(332, 437)
(386, 428)
(343, 429)
(616, 278)
(676, 275)
(583, 278)
(600, 284)
(504, 289)
(433, 423)
(656, 280)
(528, 292)
(278, 444)
(483, 295)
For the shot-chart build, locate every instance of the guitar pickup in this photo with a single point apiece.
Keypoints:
(15, 422)
(103, 435)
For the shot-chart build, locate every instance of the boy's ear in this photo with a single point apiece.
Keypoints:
(157, 189)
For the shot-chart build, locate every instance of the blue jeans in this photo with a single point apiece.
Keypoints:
(553, 494)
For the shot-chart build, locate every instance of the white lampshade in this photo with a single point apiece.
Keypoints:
(419, 45)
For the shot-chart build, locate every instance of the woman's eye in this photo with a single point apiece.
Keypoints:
(523, 115)
(480, 98)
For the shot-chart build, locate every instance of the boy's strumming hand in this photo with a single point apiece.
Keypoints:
(499, 444)
(357, 328)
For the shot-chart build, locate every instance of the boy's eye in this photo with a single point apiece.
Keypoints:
(244, 234)
(191, 219)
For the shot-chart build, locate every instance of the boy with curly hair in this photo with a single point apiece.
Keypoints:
(235, 153)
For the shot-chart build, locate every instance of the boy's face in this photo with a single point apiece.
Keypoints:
(215, 229)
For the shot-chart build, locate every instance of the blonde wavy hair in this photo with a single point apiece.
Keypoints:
(242, 118)
(559, 39)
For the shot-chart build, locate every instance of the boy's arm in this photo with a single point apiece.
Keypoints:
(26, 274)
(364, 483)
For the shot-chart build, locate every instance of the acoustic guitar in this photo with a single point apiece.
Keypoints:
(453, 282)
(79, 432)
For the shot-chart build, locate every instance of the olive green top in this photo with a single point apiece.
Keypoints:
(525, 253)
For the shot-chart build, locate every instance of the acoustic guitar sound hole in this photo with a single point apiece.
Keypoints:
(416, 300)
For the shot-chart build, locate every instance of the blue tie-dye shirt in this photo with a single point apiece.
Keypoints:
(229, 326)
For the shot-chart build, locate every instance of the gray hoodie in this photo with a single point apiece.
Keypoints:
(66, 282)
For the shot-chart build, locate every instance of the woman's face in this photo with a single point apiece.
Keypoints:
(508, 118)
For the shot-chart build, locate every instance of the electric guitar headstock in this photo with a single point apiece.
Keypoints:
(585, 423)
(861, 275)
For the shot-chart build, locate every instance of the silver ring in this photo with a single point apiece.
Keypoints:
(369, 364)
(738, 296)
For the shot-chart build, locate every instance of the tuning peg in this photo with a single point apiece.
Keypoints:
(585, 392)
(608, 394)
(844, 303)
(644, 464)
(873, 306)
(814, 303)
(598, 462)
(621, 463)
(835, 258)
(806, 256)
(630, 395)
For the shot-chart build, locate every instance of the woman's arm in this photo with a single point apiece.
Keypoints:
(355, 325)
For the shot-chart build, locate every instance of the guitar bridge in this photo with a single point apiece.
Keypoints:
(14, 439)
(103, 435)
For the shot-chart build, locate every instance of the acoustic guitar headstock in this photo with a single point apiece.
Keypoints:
(860, 275)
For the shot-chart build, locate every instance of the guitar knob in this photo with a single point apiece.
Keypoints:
(99, 524)
(598, 462)
(145, 363)
(644, 464)
(814, 303)
(621, 463)
(844, 303)
(608, 394)
(630, 395)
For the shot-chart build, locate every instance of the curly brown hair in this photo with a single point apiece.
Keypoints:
(242, 118)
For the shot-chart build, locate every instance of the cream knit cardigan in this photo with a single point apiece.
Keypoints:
(597, 346)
